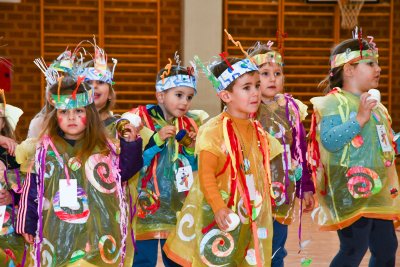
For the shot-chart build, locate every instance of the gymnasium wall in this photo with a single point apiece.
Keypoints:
(20, 28)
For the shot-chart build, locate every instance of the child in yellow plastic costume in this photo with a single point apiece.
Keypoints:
(234, 180)
(357, 183)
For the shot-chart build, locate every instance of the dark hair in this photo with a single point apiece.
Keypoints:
(173, 71)
(94, 136)
(335, 76)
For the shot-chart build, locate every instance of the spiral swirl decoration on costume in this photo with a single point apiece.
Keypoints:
(147, 203)
(72, 218)
(187, 222)
(49, 169)
(99, 168)
(216, 247)
(47, 256)
(279, 192)
(50, 165)
(102, 246)
(363, 182)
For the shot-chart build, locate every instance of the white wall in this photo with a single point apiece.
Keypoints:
(202, 36)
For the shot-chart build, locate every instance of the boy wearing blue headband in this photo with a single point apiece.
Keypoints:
(168, 165)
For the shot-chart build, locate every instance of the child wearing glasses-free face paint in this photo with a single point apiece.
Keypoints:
(353, 151)
(281, 116)
(74, 198)
(231, 199)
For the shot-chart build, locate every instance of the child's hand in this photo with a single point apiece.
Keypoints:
(28, 238)
(192, 136)
(365, 108)
(222, 219)
(131, 133)
(5, 197)
(9, 144)
(167, 132)
(309, 201)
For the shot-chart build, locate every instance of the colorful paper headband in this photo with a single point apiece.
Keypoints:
(10, 112)
(70, 102)
(93, 74)
(64, 62)
(175, 81)
(231, 74)
(353, 57)
(269, 57)
(99, 71)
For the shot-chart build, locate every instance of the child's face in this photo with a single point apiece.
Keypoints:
(176, 101)
(366, 75)
(271, 77)
(72, 122)
(101, 93)
(245, 97)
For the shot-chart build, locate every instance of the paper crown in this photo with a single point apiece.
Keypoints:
(232, 73)
(71, 63)
(356, 56)
(98, 71)
(10, 112)
(179, 79)
(353, 57)
(63, 65)
(269, 57)
(70, 102)
(176, 81)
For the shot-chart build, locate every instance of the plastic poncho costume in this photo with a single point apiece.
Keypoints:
(170, 168)
(290, 175)
(196, 240)
(360, 179)
(93, 231)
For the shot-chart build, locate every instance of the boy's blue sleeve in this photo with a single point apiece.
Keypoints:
(189, 154)
(335, 134)
(153, 147)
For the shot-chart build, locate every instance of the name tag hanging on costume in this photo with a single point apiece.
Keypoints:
(68, 193)
(383, 138)
(184, 179)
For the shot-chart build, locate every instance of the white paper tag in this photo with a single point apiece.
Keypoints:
(383, 138)
(262, 233)
(2, 215)
(184, 178)
(68, 193)
(289, 157)
(250, 186)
